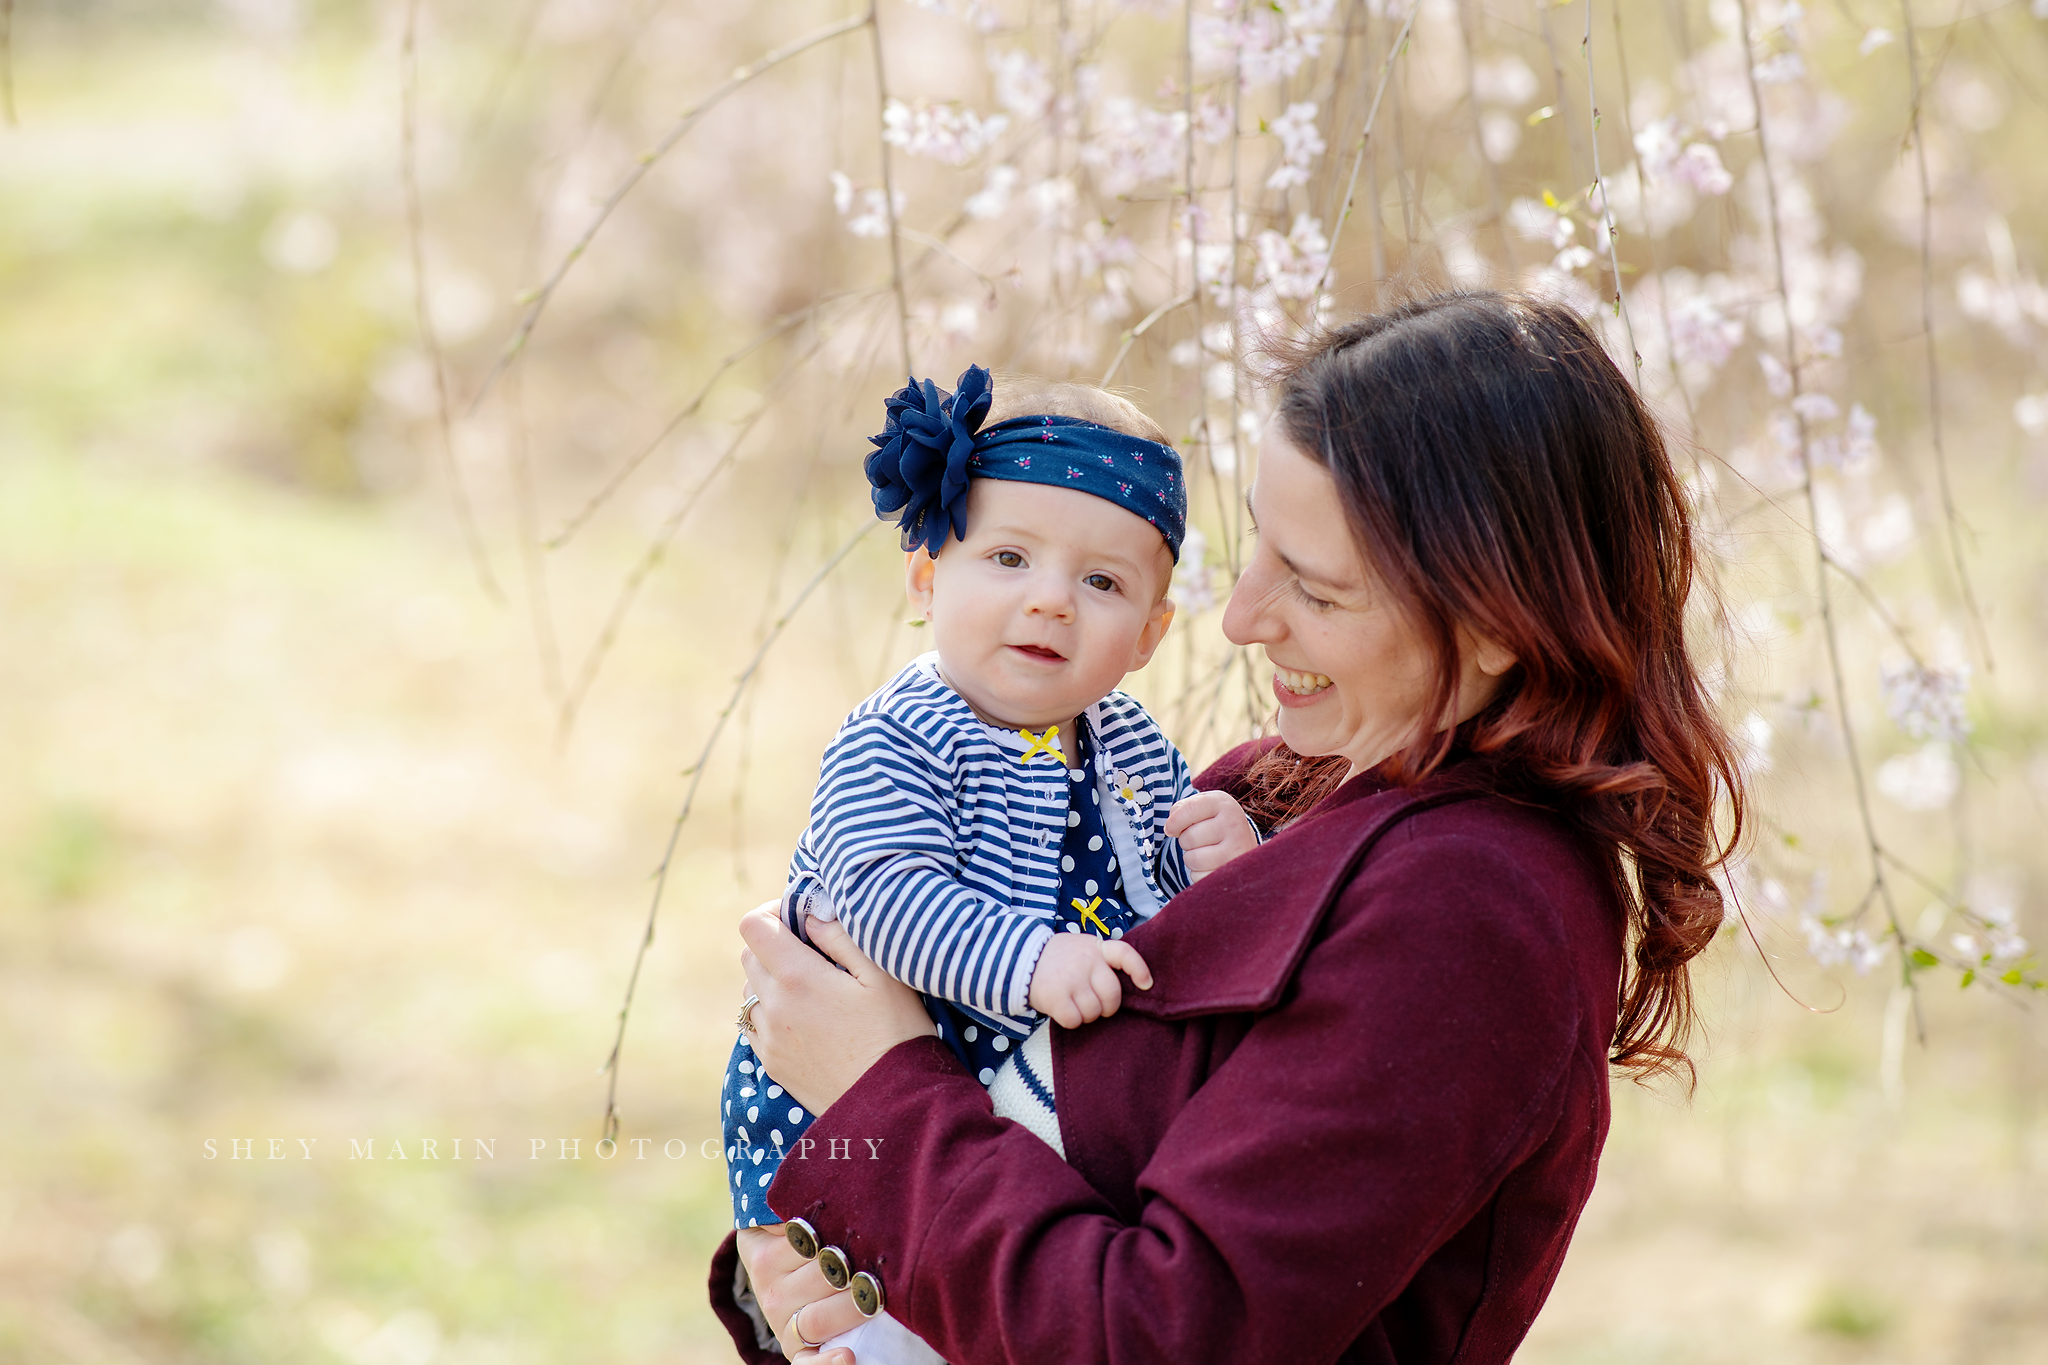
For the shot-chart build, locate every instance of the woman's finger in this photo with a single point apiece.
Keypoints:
(774, 947)
(818, 1029)
(767, 1254)
(826, 1318)
(786, 1285)
(829, 937)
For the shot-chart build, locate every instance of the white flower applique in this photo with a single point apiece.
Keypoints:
(1128, 790)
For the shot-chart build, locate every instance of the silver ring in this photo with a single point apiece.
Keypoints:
(746, 1019)
(798, 1332)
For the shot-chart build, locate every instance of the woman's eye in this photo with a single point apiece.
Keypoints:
(1305, 595)
(1009, 559)
(1101, 582)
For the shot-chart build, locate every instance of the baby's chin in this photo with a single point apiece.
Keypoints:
(1005, 701)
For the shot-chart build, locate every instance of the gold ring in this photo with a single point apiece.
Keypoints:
(798, 1332)
(746, 1019)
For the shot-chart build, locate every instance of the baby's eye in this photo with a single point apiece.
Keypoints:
(1101, 582)
(1009, 559)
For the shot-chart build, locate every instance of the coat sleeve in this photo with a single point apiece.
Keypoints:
(883, 823)
(1420, 1056)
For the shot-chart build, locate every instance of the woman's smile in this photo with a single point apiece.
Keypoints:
(1295, 688)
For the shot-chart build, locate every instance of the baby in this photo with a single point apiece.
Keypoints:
(989, 824)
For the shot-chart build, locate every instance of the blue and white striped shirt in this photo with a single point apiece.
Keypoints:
(935, 837)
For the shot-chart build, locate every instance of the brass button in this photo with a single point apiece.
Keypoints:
(867, 1294)
(802, 1237)
(832, 1261)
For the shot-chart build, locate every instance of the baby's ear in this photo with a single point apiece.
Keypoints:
(918, 570)
(1153, 632)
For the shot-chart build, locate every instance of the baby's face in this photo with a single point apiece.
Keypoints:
(1050, 600)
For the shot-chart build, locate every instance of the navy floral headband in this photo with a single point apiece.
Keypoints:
(933, 444)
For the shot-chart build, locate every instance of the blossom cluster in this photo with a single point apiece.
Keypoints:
(947, 133)
(1928, 701)
(1834, 945)
(1300, 144)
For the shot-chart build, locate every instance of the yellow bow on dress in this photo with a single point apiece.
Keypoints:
(1047, 743)
(1088, 915)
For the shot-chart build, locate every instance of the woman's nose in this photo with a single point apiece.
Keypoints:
(1246, 620)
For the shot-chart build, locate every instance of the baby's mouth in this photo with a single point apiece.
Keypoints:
(1051, 656)
(1300, 684)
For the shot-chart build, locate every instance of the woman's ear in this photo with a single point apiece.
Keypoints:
(918, 570)
(1492, 657)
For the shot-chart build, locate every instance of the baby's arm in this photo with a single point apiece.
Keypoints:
(1212, 828)
(1076, 982)
(884, 829)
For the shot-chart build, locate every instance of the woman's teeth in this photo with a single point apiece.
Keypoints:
(1300, 684)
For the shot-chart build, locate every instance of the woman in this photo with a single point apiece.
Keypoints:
(1357, 1116)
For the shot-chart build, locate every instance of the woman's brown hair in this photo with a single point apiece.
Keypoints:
(1499, 472)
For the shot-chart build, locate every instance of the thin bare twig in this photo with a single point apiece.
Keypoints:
(430, 338)
(1409, 194)
(1564, 99)
(1394, 50)
(938, 246)
(501, 80)
(1950, 520)
(526, 501)
(7, 62)
(781, 326)
(696, 774)
(1879, 885)
(649, 561)
(1883, 613)
(1193, 220)
(1131, 337)
(1692, 420)
(1613, 243)
(1236, 306)
(1379, 218)
(1490, 171)
(874, 27)
(537, 302)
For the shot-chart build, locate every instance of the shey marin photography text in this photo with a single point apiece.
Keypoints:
(529, 1148)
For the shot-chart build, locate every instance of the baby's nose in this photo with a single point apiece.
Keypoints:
(1050, 597)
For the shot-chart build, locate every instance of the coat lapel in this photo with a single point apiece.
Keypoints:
(1232, 942)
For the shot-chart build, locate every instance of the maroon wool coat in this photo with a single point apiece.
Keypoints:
(1355, 1119)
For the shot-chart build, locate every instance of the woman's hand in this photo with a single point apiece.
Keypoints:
(818, 1029)
(786, 1285)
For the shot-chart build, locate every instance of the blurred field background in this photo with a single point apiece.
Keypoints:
(327, 822)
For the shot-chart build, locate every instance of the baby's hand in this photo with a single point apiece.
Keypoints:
(1075, 981)
(1212, 830)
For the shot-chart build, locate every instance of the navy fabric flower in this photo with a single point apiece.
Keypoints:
(919, 467)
